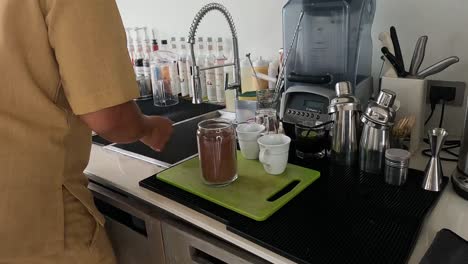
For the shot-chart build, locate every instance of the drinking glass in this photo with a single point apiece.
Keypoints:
(163, 94)
(312, 140)
(266, 99)
(269, 118)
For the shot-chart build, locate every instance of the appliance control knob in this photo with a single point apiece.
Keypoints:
(307, 115)
(312, 115)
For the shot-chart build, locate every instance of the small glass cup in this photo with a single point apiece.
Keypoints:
(312, 140)
(164, 92)
(266, 99)
(269, 118)
(217, 148)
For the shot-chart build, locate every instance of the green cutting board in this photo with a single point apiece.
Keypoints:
(251, 194)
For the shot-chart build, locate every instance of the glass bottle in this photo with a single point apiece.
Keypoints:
(174, 71)
(220, 60)
(211, 74)
(163, 76)
(184, 80)
(201, 60)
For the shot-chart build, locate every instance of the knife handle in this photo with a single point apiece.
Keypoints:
(396, 46)
(393, 60)
(438, 67)
(418, 55)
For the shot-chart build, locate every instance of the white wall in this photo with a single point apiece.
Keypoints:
(446, 25)
(258, 22)
(259, 26)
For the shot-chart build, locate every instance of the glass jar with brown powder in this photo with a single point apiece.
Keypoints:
(217, 151)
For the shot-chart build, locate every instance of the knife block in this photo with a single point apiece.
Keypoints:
(411, 93)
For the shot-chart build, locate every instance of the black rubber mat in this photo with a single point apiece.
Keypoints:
(344, 217)
(182, 111)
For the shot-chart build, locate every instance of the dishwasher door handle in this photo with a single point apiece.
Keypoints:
(200, 257)
(119, 201)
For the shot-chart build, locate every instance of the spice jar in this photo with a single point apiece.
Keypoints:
(217, 150)
(396, 166)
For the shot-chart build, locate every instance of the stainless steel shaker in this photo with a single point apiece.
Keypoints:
(378, 119)
(344, 111)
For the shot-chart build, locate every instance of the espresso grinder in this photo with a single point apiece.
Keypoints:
(333, 45)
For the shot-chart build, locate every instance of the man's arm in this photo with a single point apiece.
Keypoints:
(89, 43)
(125, 123)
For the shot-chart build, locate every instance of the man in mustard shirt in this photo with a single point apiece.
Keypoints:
(64, 71)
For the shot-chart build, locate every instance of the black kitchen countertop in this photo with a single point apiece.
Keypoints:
(346, 216)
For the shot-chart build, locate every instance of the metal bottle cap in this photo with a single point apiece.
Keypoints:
(343, 88)
(344, 100)
(381, 113)
(386, 98)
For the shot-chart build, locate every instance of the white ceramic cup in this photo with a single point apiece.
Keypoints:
(274, 153)
(248, 135)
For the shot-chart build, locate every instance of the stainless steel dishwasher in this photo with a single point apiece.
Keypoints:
(134, 229)
(184, 244)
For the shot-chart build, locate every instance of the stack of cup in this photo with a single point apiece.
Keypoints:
(248, 134)
(271, 149)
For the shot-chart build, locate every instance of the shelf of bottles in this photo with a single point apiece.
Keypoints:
(168, 61)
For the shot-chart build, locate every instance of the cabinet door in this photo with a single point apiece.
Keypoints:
(184, 245)
(135, 235)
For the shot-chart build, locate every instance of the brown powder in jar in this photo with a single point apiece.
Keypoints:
(217, 150)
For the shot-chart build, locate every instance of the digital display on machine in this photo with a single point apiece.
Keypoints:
(314, 105)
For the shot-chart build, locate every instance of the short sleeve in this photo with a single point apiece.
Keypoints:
(89, 42)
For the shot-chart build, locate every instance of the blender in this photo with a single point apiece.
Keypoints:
(333, 45)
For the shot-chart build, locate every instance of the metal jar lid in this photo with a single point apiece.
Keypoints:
(397, 157)
(344, 100)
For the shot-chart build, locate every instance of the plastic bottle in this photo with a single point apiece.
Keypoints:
(146, 41)
(164, 68)
(231, 94)
(201, 60)
(273, 71)
(184, 80)
(260, 66)
(144, 84)
(189, 74)
(188, 63)
(211, 74)
(246, 76)
(174, 71)
(130, 45)
(220, 60)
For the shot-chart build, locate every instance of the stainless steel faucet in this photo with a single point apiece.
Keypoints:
(197, 90)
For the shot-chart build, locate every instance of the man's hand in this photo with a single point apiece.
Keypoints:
(159, 132)
(126, 124)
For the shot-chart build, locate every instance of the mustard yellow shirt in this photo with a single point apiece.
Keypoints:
(58, 59)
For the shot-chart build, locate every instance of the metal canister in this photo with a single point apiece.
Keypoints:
(396, 166)
(378, 119)
(344, 111)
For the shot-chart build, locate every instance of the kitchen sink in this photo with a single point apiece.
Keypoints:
(184, 110)
(182, 145)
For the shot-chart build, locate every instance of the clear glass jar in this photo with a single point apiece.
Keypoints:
(217, 149)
